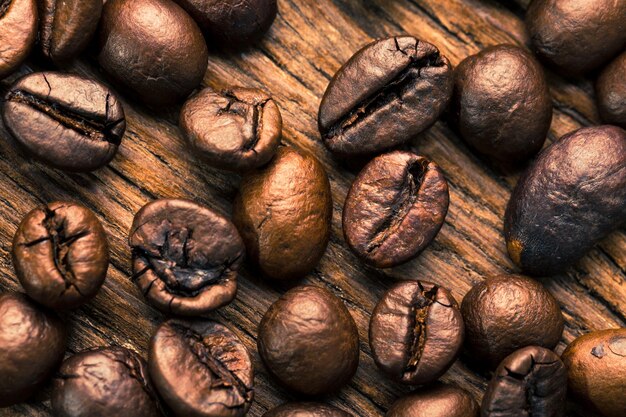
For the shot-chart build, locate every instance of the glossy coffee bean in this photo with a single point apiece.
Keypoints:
(201, 369)
(386, 94)
(66, 121)
(611, 92)
(309, 341)
(32, 342)
(596, 371)
(185, 257)
(18, 32)
(61, 254)
(416, 332)
(508, 312)
(395, 208)
(530, 382)
(577, 36)
(307, 409)
(572, 197)
(66, 27)
(228, 22)
(502, 105)
(236, 129)
(283, 212)
(438, 400)
(152, 48)
(104, 382)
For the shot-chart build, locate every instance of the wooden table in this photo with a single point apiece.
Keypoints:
(307, 44)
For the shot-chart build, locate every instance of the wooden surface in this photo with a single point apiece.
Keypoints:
(307, 44)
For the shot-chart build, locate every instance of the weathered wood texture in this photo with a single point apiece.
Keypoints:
(307, 44)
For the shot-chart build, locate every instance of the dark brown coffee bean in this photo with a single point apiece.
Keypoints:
(201, 369)
(18, 32)
(61, 254)
(32, 342)
(577, 36)
(66, 27)
(283, 212)
(104, 382)
(237, 129)
(69, 122)
(508, 312)
(611, 92)
(502, 105)
(572, 197)
(385, 95)
(395, 208)
(438, 400)
(530, 382)
(153, 48)
(185, 257)
(309, 341)
(416, 332)
(596, 367)
(306, 410)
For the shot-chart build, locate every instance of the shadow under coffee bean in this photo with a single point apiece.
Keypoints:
(18, 32)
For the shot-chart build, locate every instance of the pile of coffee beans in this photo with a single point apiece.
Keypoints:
(186, 257)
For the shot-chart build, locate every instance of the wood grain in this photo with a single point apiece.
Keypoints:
(307, 44)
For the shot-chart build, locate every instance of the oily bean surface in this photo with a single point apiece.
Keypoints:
(569, 199)
(18, 32)
(437, 400)
(61, 254)
(185, 257)
(611, 92)
(306, 409)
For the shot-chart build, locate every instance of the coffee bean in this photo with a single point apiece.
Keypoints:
(185, 257)
(395, 208)
(237, 129)
(283, 212)
(306, 410)
(505, 313)
(386, 94)
(69, 122)
(596, 371)
(572, 197)
(18, 32)
(577, 36)
(502, 105)
(152, 48)
(104, 382)
(201, 369)
(530, 382)
(309, 341)
(438, 400)
(32, 342)
(611, 92)
(416, 332)
(61, 255)
(66, 27)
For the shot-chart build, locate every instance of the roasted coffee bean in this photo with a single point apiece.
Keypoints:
(577, 36)
(501, 103)
(32, 342)
(66, 27)
(232, 22)
(508, 312)
(185, 257)
(386, 94)
(69, 122)
(283, 212)
(416, 332)
(572, 197)
(306, 410)
(309, 341)
(438, 400)
(153, 48)
(18, 32)
(395, 208)
(104, 382)
(530, 382)
(596, 371)
(237, 129)
(201, 369)
(611, 92)
(61, 254)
